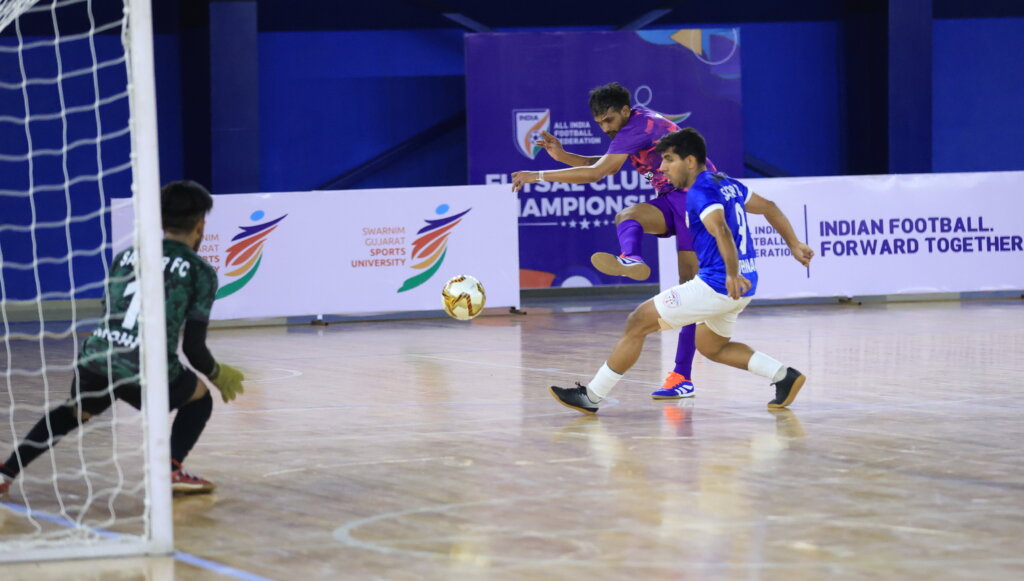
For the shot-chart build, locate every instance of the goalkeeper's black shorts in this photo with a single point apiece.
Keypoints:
(97, 394)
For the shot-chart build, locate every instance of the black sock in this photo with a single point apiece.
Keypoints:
(188, 426)
(38, 440)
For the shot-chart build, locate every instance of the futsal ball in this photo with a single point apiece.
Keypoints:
(463, 297)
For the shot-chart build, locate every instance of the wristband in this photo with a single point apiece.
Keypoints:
(540, 176)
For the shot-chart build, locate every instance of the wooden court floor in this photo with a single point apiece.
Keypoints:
(431, 449)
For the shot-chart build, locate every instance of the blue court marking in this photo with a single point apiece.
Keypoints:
(177, 555)
(217, 567)
(60, 520)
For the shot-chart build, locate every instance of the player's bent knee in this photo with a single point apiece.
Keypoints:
(200, 392)
(81, 415)
(710, 347)
(714, 355)
(636, 212)
(623, 215)
(644, 320)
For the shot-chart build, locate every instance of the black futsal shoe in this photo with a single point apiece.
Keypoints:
(787, 388)
(575, 398)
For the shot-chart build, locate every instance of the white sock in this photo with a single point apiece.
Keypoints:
(602, 383)
(765, 366)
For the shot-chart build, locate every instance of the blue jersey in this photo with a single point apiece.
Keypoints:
(717, 191)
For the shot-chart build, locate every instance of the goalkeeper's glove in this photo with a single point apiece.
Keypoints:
(228, 380)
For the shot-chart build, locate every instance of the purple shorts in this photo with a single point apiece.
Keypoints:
(673, 207)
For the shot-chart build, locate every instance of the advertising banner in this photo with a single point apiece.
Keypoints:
(889, 235)
(324, 252)
(520, 84)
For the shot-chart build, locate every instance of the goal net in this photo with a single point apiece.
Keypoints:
(77, 138)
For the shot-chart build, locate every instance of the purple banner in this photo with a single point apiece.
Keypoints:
(518, 84)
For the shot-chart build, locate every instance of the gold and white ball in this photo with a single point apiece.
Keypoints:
(463, 297)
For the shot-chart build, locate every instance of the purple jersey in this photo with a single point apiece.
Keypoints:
(639, 137)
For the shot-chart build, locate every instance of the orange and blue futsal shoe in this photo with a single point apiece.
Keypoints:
(675, 387)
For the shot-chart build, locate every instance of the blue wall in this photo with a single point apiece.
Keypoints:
(791, 96)
(324, 111)
(977, 96)
(330, 101)
(168, 100)
(334, 100)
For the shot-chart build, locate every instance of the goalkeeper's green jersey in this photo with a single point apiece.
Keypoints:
(190, 285)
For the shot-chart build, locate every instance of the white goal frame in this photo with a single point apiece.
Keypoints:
(158, 535)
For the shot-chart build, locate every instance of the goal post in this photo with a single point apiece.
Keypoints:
(149, 239)
(78, 128)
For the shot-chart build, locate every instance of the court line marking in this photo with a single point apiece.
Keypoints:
(218, 568)
(541, 369)
(187, 558)
(292, 373)
(348, 464)
(344, 535)
(375, 405)
(958, 405)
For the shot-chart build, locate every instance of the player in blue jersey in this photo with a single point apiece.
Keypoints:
(716, 209)
(634, 132)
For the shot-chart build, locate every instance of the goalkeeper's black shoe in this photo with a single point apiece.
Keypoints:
(575, 398)
(787, 388)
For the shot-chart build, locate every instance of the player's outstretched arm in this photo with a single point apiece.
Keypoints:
(606, 165)
(778, 220)
(553, 146)
(735, 283)
(193, 343)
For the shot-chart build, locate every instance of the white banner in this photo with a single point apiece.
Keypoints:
(885, 235)
(358, 251)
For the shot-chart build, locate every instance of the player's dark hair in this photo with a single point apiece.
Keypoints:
(610, 96)
(684, 143)
(183, 204)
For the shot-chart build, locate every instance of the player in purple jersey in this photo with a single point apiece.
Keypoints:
(635, 132)
(717, 207)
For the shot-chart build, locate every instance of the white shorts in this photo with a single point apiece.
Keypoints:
(696, 302)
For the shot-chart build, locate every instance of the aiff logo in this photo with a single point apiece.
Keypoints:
(431, 243)
(246, 253)
(528, 125)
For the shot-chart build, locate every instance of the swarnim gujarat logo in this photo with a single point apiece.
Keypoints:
(246, 253)
(528, 125)
(431, 243)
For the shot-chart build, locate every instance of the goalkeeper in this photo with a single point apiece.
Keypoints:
(108, 363)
